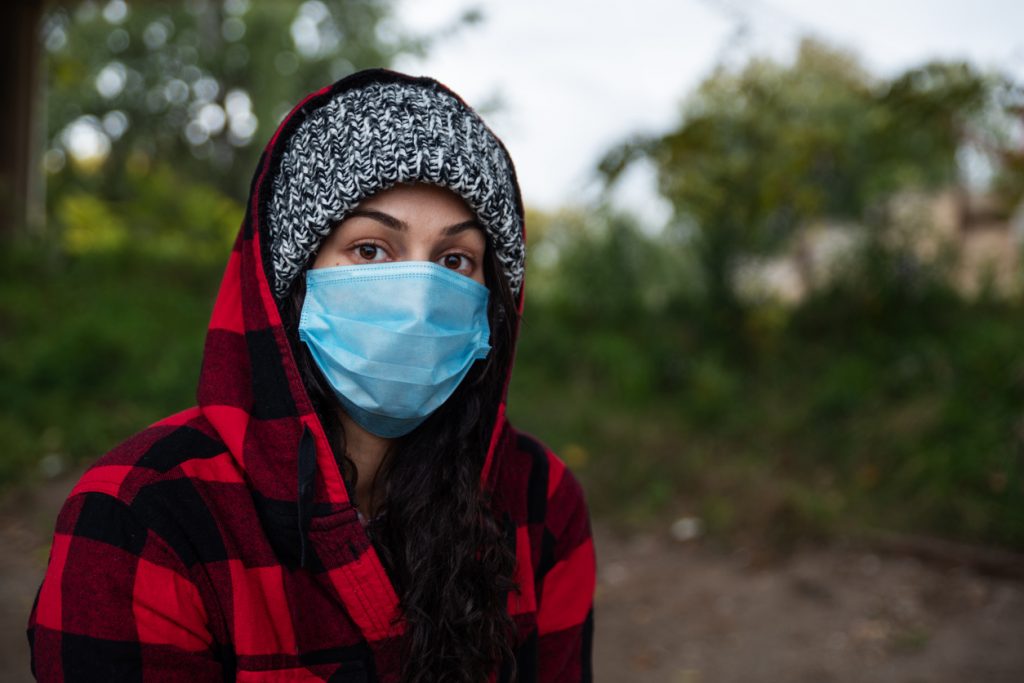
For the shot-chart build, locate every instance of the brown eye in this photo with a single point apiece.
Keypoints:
(367, 252)
(453, 261)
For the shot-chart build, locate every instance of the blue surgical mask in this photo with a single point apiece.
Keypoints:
(394, 340)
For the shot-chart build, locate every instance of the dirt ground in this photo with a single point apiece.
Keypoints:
(683, 613)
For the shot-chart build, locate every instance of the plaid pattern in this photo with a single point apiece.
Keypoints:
(220, 543)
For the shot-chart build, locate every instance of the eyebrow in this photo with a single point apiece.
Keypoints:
(390, 221)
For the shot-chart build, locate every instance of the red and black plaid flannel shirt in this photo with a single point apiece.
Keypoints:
(220, 543)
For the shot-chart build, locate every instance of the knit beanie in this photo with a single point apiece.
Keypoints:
(365, 140)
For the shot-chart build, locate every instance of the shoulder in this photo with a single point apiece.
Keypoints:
(120, 563)
(155, 482)
(178, 447)
(538, 488)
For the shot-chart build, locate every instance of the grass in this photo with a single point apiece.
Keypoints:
(852, 428)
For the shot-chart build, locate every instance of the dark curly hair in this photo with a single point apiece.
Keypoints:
(437, 536)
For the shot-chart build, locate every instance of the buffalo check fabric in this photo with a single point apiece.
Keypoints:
(182, 555)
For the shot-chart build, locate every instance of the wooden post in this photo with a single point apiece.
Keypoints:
(19, 92)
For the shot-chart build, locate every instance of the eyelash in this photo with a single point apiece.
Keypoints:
(467, 260)
(357, 249)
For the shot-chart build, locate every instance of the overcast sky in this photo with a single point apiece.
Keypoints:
(574, 76)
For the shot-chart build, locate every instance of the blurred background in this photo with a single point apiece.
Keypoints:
(774, 303)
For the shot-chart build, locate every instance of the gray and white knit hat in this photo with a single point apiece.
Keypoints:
(365, 140)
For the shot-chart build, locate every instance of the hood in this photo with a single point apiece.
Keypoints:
(250, 388)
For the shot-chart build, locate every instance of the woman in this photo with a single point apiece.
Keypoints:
(347, 502)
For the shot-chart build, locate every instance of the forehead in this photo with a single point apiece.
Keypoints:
(420, 212)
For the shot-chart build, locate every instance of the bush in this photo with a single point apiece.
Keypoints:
(94, 348)
(885, 400)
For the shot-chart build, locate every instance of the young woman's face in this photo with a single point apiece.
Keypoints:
(408, 223)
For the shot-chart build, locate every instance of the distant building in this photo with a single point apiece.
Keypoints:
(977, 238)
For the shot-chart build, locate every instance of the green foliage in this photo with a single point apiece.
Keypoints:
(884, 400)
(93, 348)
(197, 86)
(604, 264)
(162, 215)
(761, 151)
(600, 273)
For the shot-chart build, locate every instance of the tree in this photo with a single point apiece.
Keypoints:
(198, 84)
(157, 111)
(761, 150)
